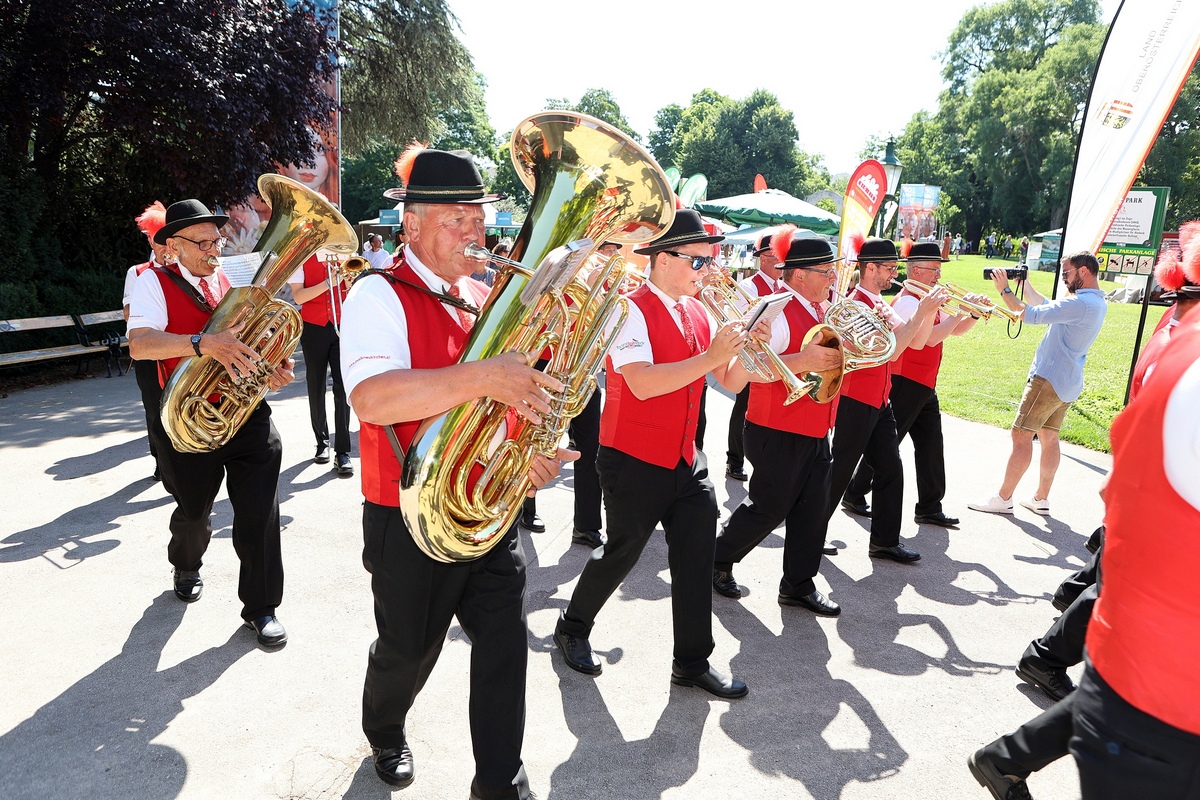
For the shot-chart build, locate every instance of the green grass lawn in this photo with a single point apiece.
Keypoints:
(983, 372)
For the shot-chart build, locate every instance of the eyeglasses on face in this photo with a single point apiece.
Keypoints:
(826, 272)
(206, 244)
(697, 261)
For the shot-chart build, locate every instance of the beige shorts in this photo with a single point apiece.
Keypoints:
(1040, 407)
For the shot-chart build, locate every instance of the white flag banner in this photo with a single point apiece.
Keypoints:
(1149, 53)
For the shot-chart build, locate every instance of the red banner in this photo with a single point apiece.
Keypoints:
(864, 197)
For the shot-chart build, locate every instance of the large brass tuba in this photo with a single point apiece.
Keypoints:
(464, 476)
(202, 408)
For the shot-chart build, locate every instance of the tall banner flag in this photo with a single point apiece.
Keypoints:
(864, 197)
(760, 183)
(1142, 68)
(693, 190)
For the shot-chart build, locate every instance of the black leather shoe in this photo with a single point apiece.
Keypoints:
(861, 509)
(591, 539)
(322, 456)
(394, 765)
(344, 467)
(898, 553)
(270, 630)
(577, 652)
(532, 522)
(815, 602)
(1054, 682)
(725, 585)
(829, 550)
(1002, 787)
(936, 519)
(736, 473)
(188, 586)
(712, 682)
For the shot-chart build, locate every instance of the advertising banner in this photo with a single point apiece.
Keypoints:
(864, 196)
(917, 207)
(1131, 247)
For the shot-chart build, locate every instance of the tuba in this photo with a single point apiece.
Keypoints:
(202, 407)
(866, 337)
(464, 477)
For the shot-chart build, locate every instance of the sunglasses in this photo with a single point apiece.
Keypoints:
(697, 261)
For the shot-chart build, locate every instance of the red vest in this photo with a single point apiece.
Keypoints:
(183, 315)
(921, 364)
(761, 283)
(805, 416)
(870, 386)
(660, 430)
(1150, 355)
(319, 310)
(434, 341)
(1144, 637)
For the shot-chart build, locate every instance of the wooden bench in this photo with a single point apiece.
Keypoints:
(87, 342)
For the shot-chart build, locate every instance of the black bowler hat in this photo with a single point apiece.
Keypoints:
(925, 251)
(764, 243)
(874, 251)
(687, 228)
(185, 214)
(439, 176)
(794, 252)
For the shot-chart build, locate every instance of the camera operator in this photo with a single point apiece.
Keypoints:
(1055, 377)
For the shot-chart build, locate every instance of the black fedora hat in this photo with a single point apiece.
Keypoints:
(925, 251)
(875, 251)
(687, 228)
(803, 252)
(764, 243)
(184, 214)
(439, 176)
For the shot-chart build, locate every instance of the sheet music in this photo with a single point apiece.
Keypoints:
(241, 269)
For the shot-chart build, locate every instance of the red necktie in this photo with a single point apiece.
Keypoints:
(208, 295)
(465, 319)
(820, 312)
(689, 333)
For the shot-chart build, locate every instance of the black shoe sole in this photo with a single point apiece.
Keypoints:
(392, 780)
(679, 680)
(941, 523)
(858, 511)
(977, 773)
(187, 599)
(1037, 684)
(585, 669)
(725, 593)
(889, 557)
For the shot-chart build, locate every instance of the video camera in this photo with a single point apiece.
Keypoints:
(1013, 273)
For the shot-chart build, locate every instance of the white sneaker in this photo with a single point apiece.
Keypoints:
(993, 505)
(1037, 506)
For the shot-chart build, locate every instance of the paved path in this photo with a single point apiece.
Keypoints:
(114, 689)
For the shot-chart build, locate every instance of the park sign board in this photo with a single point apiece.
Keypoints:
(1131, 245)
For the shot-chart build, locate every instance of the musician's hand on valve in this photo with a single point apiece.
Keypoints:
(728, 342)
(511, 381)
(282, 376)
(239, 359)
(932, 301)
(542, 470)
(761, 331)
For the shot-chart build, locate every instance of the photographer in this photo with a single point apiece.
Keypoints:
(1055, 377)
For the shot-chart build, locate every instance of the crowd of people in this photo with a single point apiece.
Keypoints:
(391, 346)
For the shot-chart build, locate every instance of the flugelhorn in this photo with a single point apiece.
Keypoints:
(465, 474)
(957, 303)
(202, 406)
(345, 271)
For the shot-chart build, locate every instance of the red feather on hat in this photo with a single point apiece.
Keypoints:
(1189, 242)
(905, 246)
(678, 203)
(152, 219)
(855, 242)
(404, 164)
(781, 242)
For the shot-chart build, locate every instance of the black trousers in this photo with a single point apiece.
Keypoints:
(322, 354)
(735, 456)
(790, 484)
(249, 463)
(1077, 582)
(637, 497)
(1123, 752)
(1039, 742)
(415, 600)
(1062, 645)
(918, 415)
(866, 431)
(585, 432)
(146, 373)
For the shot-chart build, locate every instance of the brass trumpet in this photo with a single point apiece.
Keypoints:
(721, 297)
(958, 305)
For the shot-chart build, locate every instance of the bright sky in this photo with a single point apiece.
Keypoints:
(846, 69)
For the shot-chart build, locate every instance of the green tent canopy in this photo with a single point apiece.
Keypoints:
(771, 207)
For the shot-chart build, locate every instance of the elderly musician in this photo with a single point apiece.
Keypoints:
(788, 445)
(168, 310)
(914, 396)
(402, 333)
(760, 284)
(866, 425)
(651, 471)
(321, 294)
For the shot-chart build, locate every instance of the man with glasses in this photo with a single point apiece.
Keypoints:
(788, 445)
(1055, 376)
(866, 425)
(914, 396)
(651, 471)
(168, 309)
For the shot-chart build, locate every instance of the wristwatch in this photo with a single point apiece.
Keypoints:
(1007, 290)
(196, 343)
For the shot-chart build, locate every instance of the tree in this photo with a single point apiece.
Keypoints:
(599, 103)
(365, 177)
(466, 126)
(662, 137)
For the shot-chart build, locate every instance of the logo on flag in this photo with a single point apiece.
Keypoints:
(869, 186)
(1118, 114)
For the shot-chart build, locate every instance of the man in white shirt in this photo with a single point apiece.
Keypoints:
(374, 253)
